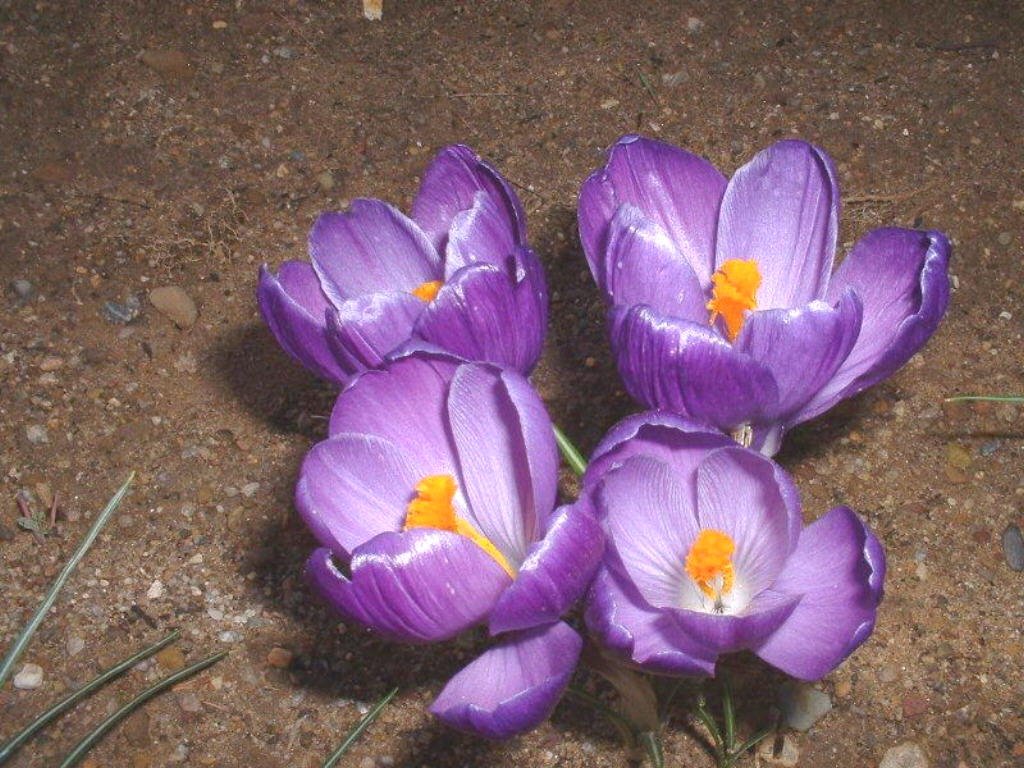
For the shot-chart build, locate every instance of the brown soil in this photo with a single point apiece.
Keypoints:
(146, 144)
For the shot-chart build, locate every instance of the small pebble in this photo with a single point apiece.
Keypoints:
(229, 636)
(173, 303)
(122, 314)
(325, 180)
(74, 645)
(169, 63)
(802, 705)
(284, 52)
(694, 25)
(156, 590)
(1013, 547)
(171, 658)
(1004, 238)
(29, 678)
(189, 702)
(779, 750)
(21, 289)
(905, 755)
(37, 434)
(51, 363)
(279, 657)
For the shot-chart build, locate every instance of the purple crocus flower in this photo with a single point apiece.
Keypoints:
(723, 304)
(707, 554)
(434, 502)
(457, 275)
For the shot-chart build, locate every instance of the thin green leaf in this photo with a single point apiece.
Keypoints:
(570, 453)
(651, 742)
(69, 701)
(101, 730)
(26, 634)
(990, 398)
(361, 726)
(752, 742)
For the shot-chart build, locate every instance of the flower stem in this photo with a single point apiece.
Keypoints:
(101, 730)
(69, 701)
(361, 726)
(26, 634)
(570, 453)
(990, 398)
(728, 715)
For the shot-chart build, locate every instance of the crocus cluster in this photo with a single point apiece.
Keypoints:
(435, 498)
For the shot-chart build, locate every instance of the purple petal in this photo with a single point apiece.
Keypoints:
(625, 623)
(511, 687)
(690, 369)
(555, 573)
(372, 247)
(804, 347)
(351, 488)
(661, 435)
(480, 234)
(749, 498)
(838, 568)
(676, 189)
(495, 458)
(900, 276)
(450, 185)
(293, 306)
(782, 210)
(419, 586)
(362, 331)
(404, 404)
(486, 313)
(643, 267)
(726, 633)
(651, 522)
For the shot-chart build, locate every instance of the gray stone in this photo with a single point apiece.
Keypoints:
(803, 705)
(122, 314)
(36, 434)
(1013, 547)
(29, 678)
(905, 755)
(21, 289)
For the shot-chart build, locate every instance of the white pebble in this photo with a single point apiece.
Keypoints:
(156, 590)
(29, 678)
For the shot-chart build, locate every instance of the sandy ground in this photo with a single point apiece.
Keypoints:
(213, 152)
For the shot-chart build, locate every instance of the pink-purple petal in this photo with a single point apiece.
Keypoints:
(680, 191)
(782, 210)
(901, 277)
(649, 517)
(489, 313)
(351, 488)
(404, 404)
(738, 493)
(803, 347)
(623, 622)
(689, 368)
(838, 569)
(480, 234)
(511, 687)
(554, 575)
(287, 303)
(371, 247)
(449, 187)
(724, 633)
(492, 459)
(643, 267)
(364, 330)
(419, 586)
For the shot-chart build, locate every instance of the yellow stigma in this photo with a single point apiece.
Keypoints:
(710, 559)
(732, 294)
(432, 508)
(427, 291)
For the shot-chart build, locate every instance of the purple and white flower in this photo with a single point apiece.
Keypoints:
(434, 503)
(723, 303)
(707, 554)
(457, 275)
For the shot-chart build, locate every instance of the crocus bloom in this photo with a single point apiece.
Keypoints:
(723, 304)
(434, 502)
(707, 554)
(456, 275)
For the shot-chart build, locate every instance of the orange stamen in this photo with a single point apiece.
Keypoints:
(734, 287)
(432, 508)
(427, 292)
(710, 559)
